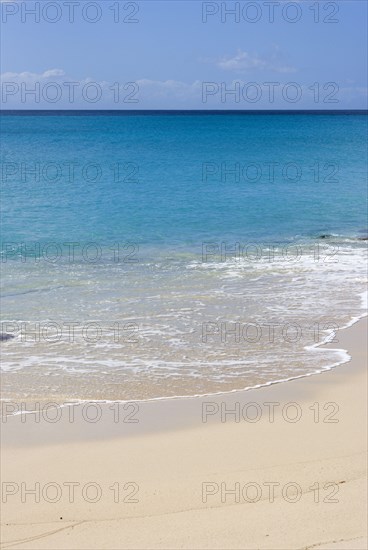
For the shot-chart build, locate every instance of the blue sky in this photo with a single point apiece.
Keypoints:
(184, 55)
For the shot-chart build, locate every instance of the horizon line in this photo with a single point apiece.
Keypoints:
(178, 111)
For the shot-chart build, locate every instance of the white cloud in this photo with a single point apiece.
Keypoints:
(244, 61)
(53, 72)
(241, 61)
(28, 76)
(170, 94)
(169, 88)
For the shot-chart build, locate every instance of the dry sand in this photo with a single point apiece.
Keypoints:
(163, 461)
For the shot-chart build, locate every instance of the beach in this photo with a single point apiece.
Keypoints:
(285, 470)
(184, 305)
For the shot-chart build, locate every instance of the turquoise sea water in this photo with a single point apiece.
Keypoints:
(192, 236)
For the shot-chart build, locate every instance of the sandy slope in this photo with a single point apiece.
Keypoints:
(171, 453)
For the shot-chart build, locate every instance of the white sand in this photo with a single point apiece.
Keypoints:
(171, 453)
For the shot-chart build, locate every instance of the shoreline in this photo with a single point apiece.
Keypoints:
(106, 377)
(171, 452)
(180, 409)
(326, 340)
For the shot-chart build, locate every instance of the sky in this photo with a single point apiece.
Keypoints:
(183, 54)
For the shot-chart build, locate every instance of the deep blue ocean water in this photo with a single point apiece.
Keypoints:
(178, 222)
(298, 175)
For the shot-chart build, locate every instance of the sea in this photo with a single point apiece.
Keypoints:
(150, 255)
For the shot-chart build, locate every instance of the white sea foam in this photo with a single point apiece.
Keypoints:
(170, 306)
